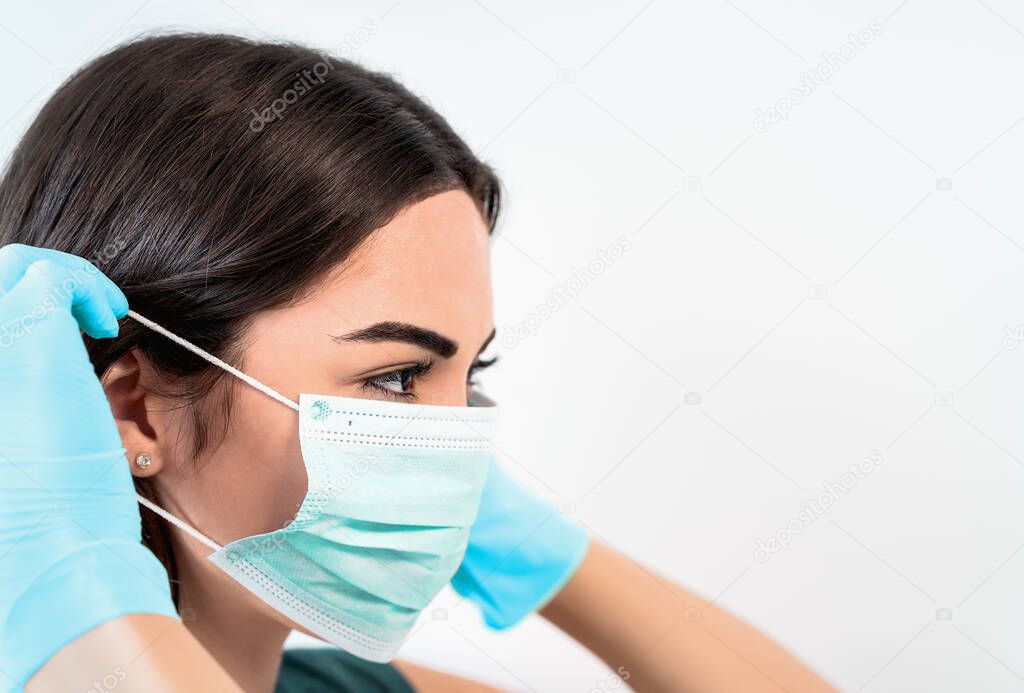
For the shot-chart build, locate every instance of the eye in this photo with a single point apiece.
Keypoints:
(398, 383)
(479, 365)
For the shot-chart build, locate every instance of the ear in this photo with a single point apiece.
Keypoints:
(132, 407)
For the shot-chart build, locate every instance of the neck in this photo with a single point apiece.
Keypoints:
(242, 633)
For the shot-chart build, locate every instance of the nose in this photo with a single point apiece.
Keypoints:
(448, 394)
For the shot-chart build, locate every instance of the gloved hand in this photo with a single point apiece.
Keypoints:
(71, 556)
(521, 552)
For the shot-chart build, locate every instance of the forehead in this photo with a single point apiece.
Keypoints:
(429, 266)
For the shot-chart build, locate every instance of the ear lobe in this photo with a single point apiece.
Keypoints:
(131, 405)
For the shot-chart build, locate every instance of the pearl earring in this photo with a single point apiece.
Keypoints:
(143, 460)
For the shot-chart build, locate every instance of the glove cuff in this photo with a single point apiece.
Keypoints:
(558, 578)
(509, 586)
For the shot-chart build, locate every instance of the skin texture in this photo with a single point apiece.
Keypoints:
(430, 267)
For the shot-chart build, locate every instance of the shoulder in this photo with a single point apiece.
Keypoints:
(318, 669)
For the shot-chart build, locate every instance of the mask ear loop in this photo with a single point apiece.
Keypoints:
(195, 534)
(265, 389)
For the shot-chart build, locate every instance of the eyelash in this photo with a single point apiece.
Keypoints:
(405, 377)
(479, 365)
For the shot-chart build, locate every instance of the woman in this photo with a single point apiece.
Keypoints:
(280, 222)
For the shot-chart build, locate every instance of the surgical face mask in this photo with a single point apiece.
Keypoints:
(392, 491)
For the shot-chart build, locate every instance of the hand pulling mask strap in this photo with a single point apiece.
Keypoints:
(392, 489)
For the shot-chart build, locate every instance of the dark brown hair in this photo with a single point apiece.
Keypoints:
(211, 177)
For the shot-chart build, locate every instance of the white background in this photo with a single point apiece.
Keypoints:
(811, 285)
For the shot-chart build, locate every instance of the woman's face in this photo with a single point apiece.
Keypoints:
(405, 318)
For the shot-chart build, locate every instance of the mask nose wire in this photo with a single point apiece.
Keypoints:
(265, 389)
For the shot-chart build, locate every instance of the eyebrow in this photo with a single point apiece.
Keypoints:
(403, 332)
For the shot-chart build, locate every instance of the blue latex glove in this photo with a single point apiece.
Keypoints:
(70, 532)
(521, 552)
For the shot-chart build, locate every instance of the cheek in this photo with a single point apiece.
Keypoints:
(254, 481)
